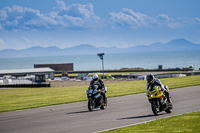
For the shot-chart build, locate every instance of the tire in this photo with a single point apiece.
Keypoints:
(155, 108)
(91, 104)
(105, 104)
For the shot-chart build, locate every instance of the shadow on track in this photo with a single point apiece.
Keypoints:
(135, 117)
(80, 112)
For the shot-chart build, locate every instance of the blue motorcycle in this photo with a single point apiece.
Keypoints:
(95, 98)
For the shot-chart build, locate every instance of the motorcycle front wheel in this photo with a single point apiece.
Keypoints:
(155, 107)
(91, 104)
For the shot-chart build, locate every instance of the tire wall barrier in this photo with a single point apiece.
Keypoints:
(23, 85)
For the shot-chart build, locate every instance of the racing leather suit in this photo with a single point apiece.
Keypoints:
(100, 84)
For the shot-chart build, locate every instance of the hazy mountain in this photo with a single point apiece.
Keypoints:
(81, 49)
(174, 45)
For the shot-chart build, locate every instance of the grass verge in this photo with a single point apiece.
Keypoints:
(189, 122)
(25, 98)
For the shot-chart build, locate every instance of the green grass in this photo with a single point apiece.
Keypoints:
(72, 74)
(24, 98)
(189, 122)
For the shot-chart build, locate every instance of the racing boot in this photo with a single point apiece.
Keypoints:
(168, 96)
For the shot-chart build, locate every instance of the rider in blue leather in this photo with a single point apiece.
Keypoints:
(99, 82)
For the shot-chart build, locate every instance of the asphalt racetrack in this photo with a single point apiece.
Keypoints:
(75, 117)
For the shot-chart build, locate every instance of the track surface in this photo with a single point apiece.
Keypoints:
(76, 118)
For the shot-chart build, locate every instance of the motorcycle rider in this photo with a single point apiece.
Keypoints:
(151, 81)
(99, 82)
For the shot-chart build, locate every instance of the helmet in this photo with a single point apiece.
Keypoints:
(95, 77)
(150, 78)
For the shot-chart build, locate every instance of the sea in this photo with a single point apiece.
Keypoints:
(147, 60)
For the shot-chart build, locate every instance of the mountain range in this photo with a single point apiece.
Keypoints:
(174, 45)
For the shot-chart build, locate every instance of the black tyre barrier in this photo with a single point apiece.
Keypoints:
(23, 85)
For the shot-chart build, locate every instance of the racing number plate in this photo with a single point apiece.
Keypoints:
(90, 91)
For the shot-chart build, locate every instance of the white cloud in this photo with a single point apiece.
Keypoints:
(3, 15)
(165, 20)
(79, 17)
(130, 18)
(75, 16)
(197, 20)
(15, 17)
(60, 5)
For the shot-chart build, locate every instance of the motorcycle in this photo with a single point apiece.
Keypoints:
(95, 98)
(158, 100)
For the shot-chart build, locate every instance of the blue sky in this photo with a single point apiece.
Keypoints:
(102, 23)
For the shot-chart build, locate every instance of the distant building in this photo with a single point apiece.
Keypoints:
(57, 67)
(160, 67)
(40, 73)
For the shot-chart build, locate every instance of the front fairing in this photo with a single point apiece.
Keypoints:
(154, 93)
(91, 92)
